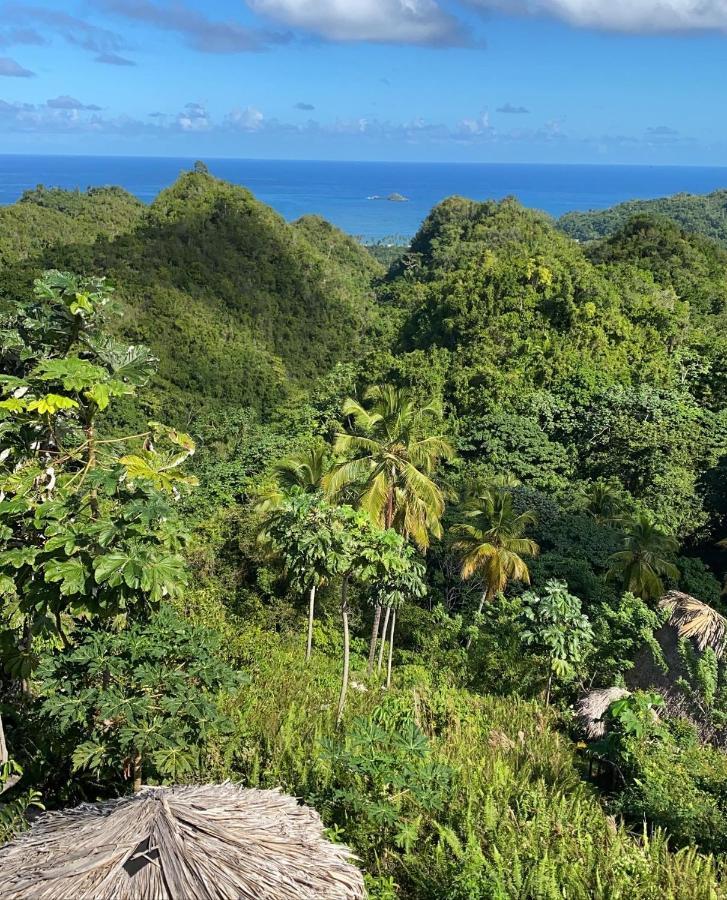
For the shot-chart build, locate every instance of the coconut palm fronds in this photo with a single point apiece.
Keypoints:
(593, 707)
(182, 843)
(697, 620)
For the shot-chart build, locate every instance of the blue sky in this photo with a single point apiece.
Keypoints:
(619, 81)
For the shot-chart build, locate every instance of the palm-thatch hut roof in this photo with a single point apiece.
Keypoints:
(181, 843)
(593, 707)
(696, 620)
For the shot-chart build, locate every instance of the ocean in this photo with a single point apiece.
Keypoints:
(342, 192)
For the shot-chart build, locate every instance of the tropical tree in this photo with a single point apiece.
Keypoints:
(604, 500)
(555, 626)
(492, 543)
(141, 698)
(380, 564)
(389, 458)
(303, 533)
(304, 470)
(644, 562)
(88, 525)
(400, 580)
(300, 473)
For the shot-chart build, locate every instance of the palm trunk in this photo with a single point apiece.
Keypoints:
(388, 522)
(383, 638)
(311, 610)
(391, 648)
(374, 639)
(137, 771)
(27, 645)
(346, 651)
(483, 598)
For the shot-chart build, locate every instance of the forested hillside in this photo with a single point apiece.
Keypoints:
(439, 550)
(539, 351)
(704, 214)
(238, 305)
(45, 217)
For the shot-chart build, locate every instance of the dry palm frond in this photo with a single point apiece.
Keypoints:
(694, 619)
(498, 740)
(593, 707)
(183, 843)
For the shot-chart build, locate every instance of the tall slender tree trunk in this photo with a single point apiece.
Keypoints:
(383, 638)
(346, 651)
(374, 639)
(483, 598)
(388, 522)
(27, 645)
(136, 763)
(391, 648)
(548, 689)
(311, 611)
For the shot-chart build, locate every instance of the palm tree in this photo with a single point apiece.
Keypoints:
(493, 542)
(389, 460)
(604, 501)
(643, 563)
(301, 472)
(304, 470)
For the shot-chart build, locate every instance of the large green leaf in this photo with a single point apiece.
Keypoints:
(52, 403)
(73, 373)
(71, 573)
(18, 557)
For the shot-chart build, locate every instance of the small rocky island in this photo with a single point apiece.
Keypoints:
(394, 198)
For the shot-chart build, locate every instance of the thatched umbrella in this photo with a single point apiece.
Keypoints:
(182, 843)
(593, 707)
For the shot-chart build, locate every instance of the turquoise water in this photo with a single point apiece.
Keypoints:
(339, 191)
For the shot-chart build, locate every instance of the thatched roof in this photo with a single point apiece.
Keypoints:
(593, 707)
(182, 843)
(697, 620)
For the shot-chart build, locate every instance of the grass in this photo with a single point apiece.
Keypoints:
(516, 820)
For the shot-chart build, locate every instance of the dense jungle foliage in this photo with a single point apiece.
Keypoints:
(704, 214)
(438, 549)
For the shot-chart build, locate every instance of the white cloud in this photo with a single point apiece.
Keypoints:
(640, 16)
(381, 21)
(193, 117)
(472, 127)
(248, 119)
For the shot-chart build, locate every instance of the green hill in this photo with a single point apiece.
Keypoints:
(45, 216)
(539, 351)
(694, 266)
(704, 214)
(238, 304)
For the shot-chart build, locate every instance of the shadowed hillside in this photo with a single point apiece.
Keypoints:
(238, 304)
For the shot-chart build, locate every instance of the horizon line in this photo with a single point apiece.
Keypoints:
(391, 162)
